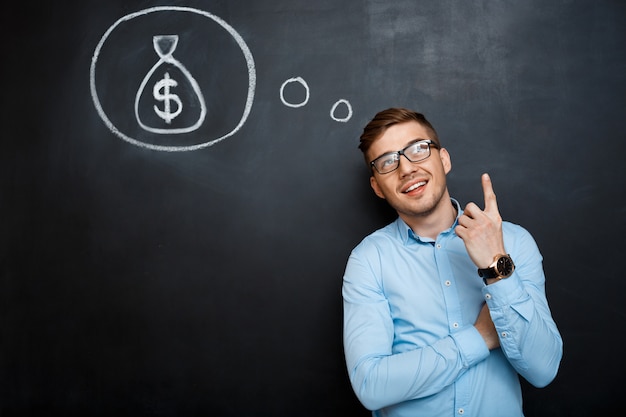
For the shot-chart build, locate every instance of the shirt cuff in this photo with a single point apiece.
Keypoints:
(471, 345)
(504, 292)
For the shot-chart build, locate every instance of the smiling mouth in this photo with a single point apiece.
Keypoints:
(414, 186)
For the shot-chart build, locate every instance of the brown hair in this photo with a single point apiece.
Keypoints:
(386, 118)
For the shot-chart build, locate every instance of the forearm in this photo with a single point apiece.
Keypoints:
(380, 378)
(528, 335)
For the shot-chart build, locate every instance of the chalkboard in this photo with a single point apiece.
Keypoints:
(183, 265)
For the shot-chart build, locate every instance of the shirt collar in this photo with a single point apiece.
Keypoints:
(407, 235)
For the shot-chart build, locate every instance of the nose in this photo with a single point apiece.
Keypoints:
(406, 167)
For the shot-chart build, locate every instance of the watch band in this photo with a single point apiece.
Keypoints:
(488, 273)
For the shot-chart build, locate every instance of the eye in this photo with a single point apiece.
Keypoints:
(417, 148)
(388, 160)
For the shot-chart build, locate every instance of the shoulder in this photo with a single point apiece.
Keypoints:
(367, 260)
(519, 240)
(382, 237)
(380, 242)
(515, 231)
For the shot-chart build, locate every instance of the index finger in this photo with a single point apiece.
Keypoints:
(491, 203)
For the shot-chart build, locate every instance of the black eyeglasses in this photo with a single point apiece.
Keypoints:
(415, 152)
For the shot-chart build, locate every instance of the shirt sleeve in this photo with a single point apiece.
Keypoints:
(378, 376)
(519, 309)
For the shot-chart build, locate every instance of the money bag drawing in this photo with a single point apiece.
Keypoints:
(169, 100)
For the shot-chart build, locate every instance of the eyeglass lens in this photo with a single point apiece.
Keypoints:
(415, 152)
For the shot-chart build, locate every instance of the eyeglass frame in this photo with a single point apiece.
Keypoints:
(401, 153)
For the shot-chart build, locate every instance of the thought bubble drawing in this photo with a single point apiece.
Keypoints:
(303, 83)
(173, 109)
(169, 102)
(333, 111)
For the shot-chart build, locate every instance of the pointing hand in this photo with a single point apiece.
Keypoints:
(481, 230)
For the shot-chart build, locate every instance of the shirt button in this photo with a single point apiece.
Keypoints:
(448, 283)
(488, 296)
(438, 245)
(504, 334)
(455, 325)
(461, 411)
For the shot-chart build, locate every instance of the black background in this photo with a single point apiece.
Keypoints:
(139, 282)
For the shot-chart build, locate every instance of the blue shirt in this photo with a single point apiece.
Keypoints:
(410, 304)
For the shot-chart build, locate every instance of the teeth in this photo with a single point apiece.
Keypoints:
(415, 186)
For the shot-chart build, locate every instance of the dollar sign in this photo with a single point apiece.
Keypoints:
(166, 97)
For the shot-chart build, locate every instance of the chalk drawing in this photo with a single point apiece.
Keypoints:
(164, 45)
(334, 108)
(168, 57)
(306, 89)
(304, 84)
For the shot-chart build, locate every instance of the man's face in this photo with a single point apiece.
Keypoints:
(415, 189)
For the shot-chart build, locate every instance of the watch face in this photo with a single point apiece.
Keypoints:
(504, 266)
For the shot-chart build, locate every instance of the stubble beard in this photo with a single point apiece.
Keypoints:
(427, 208)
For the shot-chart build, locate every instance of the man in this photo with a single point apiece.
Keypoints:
(444, 307)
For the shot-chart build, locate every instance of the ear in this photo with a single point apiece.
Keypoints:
(376, 187)
(445, 160)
